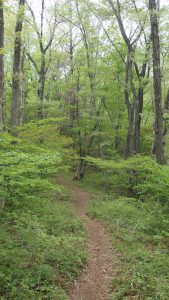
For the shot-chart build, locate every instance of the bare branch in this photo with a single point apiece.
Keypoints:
(36, 27)
(33, 62)
(120, 22)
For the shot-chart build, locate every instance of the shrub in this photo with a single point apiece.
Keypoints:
(140, 177)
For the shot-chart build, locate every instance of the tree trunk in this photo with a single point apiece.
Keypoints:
(129, 139)
(166, 104)
(16, 80)
(71, 93)
(44, 48)
(22, 103)
(41, 88)
(139, 106)
(82, 163)
(2, 81)
(117, 139)
(138, 112)
(166, 108)
(158, 126)
(130, 108)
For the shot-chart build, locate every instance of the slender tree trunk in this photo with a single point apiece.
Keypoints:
(158, 126)
(134, 113)
(22, 103)
(129, 139)
(139, 105)
(138, 112)
(2, 80)
(117, 139)
(41, 89)
(80, 171)
(71, 93)
(16, 80)
(89, 61)
(130, 108)
(91, 76)
(166, 108)
(166, 104)
(44, 48)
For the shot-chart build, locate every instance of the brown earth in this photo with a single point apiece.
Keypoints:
(95, 280)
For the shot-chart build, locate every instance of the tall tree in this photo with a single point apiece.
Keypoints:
(90, 59)
(133, 95)
(44, 48)
(2, 81)
(71, 92)
(16, 79)
(158, 148)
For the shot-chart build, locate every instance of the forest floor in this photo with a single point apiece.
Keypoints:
(102, 263)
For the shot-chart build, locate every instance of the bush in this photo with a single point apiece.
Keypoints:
(140, 177)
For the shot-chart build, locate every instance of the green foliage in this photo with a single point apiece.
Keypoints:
(138, 176)
(28, 161)
(42, 242)
(135, 209)
(42, 250)
(140, 235)
(25, 174)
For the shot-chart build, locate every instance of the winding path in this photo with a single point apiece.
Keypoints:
(95, 279)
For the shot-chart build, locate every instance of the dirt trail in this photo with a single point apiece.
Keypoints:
(95, 280)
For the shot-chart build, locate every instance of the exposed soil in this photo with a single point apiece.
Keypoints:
(95, 279)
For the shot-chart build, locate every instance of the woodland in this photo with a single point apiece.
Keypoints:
(84, 150)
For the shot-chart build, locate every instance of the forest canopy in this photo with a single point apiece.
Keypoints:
(101, 65)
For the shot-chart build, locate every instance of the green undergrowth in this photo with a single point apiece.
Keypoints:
(139, 177)
(42, 250)
(42, 242)
(139, 231)
(140, 234)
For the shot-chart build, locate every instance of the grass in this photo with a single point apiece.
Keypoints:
(139, 232)
(42, 250)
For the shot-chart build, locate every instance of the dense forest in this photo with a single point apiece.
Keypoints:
(84, 149)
